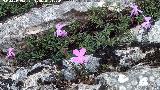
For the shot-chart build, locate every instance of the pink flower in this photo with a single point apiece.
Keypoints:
(147, 23)
(10, 53)
(59, 31)
(135, 11)
(80, 56)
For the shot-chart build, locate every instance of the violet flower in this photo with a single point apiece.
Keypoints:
(10, 53)
(135, 11)
(146, 24)
(59, 31)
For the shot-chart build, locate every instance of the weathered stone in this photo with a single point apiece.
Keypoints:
(122, 88)
(134, 79)
(92, 64)
(20, 74)
(82, 86)
(69, 73)
(143, 81)
(122, 78)
(27, 78)
(130, 55)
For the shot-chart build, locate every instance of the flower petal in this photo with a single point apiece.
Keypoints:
(76, 52)
(82, 51)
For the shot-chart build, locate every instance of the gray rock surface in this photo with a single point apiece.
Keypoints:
(41, 76)
(38, 75)
(93, 63)
(153, 35)
(118, 5)
(33, 78)
(6, 82)
(82, 86)
(20, 74)
(138, 78)
(69, 73)
(130, 55)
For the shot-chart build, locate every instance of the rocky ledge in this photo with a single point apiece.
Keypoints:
(42, 76)
(138, 78)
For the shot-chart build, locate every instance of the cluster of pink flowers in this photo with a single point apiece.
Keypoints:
(135, 12)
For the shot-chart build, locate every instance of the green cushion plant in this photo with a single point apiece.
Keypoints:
(103, 28)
